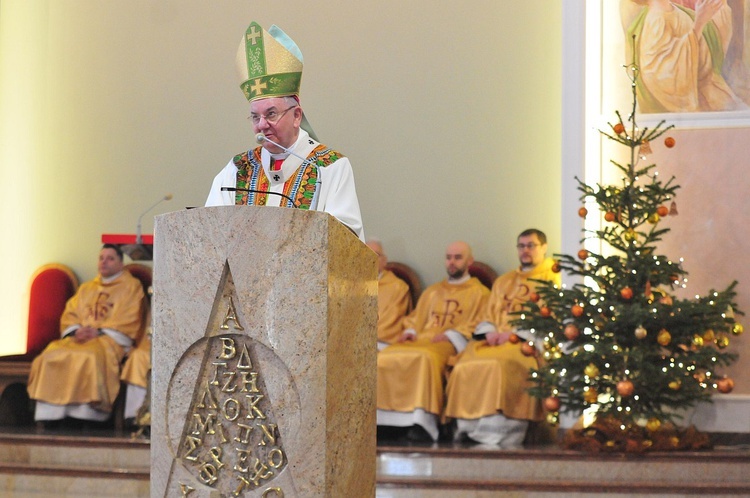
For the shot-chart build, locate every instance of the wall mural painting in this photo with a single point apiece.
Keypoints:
(681, 71)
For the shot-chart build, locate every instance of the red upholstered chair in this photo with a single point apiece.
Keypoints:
(408, 275)
(143, 273)
(483, 272)
(51, 287)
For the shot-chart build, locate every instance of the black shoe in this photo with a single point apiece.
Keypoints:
(391, 433)
(48, 425)
(446, 431)
(75, 424)
(418, 434)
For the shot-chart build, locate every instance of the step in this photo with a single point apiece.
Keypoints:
(440, 471)
(76, 465)
(82, 466)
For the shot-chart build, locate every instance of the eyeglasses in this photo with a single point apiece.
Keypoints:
(271, 117)
(530, 245)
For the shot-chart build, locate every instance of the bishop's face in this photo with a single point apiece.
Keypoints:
(278, 120)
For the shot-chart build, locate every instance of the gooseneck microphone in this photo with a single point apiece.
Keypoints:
(138, 237)
(260, 138)
(237, 189)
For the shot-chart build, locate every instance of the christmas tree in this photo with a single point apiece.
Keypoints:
(619, 342)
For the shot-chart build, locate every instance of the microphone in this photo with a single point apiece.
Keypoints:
(237, 189)
(260, 138)
(138, 237)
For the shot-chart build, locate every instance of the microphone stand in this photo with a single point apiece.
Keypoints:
(237, 189)
(138, 236)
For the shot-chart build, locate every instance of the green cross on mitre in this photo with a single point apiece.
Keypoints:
(273, 63)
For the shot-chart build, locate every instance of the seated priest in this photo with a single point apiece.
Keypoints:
(394, 299)
(486, 392)
(78, 376)
(290, 168)
(135, 374)
(411, 372)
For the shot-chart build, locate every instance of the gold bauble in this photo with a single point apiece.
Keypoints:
(591, 370)
(737, 328)
(640, 332)
(653, 218)
(664, 337)
(653, 424)
(590, 396)
(709, 335)
(698, 341)
(675, 385)
(675, 441)
(629, 235)
(722, 341)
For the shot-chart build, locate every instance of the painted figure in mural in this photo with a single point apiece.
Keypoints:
(680, 52)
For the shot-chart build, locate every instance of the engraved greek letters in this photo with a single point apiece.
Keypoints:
(207, 474)
(193, 443)
(252, 406)
(251, 382)
(203, 426)
(231, 315)
(186, 489)
(231, 441)
(277, 493)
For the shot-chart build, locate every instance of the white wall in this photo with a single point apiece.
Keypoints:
(449, 111)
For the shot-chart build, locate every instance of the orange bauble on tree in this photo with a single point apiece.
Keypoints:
(576, 310)
(625, 388)
(725, 385)
(552, 404)
(528, 349)
(571, 332)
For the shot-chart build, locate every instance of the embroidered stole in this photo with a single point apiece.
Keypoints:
(301, 186)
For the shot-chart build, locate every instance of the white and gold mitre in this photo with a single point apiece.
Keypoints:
(269, 63)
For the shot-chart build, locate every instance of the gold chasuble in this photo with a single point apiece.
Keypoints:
(67, 372)
(137, 366)
(394, 302)
(410, 375)
(488, 380)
